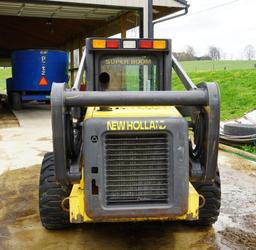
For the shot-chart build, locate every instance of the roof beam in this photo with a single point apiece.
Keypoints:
(113, 3)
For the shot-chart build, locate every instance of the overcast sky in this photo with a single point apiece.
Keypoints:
(230, 27)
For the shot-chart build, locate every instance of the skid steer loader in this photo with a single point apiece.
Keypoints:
(129, 148)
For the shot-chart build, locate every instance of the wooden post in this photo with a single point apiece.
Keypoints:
(83, 81)
(72, 78)
(80, 50)
(123, 25)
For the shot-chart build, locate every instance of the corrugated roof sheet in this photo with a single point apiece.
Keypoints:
(87, 9)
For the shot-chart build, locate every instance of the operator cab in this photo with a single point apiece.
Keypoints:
(128, 65)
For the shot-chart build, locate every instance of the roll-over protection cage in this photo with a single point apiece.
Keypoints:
(199, 103)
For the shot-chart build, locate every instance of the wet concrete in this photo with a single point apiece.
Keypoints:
(24, 146)
(237, 221)
(21, 229)
(20, 226)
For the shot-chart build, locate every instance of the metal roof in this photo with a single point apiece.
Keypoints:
(57, 11)
(78, 9)
(63, 24)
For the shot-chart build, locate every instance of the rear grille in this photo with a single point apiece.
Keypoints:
(136, 169)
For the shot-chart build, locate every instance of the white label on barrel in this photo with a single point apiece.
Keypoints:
(43, 81)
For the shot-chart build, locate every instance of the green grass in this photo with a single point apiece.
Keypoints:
(4, 74)
(249, 148)
(195, 66)
(238, 92)
(237, 87)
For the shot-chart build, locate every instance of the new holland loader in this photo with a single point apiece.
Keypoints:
(130, 148)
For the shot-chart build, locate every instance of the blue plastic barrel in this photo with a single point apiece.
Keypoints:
(34, 71)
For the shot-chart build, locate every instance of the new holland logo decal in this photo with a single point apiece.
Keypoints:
(136, 125)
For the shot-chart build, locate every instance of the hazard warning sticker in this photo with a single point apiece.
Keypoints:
(43, 81)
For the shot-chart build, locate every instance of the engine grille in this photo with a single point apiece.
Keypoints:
(136, 169)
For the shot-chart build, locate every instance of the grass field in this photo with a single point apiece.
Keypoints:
(237, 87)
(4, 74)
(250, 149)
(195, 66)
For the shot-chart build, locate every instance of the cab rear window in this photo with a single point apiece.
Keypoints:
(128, 73)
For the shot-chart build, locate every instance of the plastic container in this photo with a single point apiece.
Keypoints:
(34, 71)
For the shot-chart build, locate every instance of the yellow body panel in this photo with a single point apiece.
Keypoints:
(132, 112)
(77, 199)
(78, 214)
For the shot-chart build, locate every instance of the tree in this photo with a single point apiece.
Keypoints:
(187, 55)
(249, 52)
(190, 52)
(214, 53)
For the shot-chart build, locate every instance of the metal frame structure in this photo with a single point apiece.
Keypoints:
(204, 99)
(53, 17)
(198, 102)
(64, 24)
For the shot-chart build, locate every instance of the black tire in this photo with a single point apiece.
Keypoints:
(209, 213)
(51, 195)
(16, 100)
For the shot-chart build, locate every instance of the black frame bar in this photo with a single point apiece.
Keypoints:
(135, 98)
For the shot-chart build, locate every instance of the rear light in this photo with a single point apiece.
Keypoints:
(159, 44)
(146, 44)
(99, 44)
(129, 44)
(113, 44)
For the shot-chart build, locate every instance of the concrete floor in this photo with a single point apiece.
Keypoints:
(25, 146)
(21, 153)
